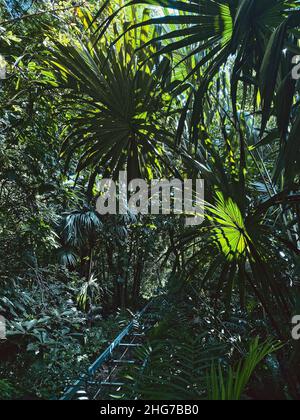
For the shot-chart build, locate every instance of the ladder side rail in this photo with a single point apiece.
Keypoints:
(107, 353)
(69, 394)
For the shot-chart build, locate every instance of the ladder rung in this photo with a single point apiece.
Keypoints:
(138, 335)
(112, 384)
(130, 362)
(130, 345)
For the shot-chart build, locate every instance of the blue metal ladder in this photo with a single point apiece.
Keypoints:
(93, 384)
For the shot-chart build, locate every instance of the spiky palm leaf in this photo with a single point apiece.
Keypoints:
(231, 387)
(252, 35)
(121, 123)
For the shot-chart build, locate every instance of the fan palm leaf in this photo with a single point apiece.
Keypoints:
(121, 122)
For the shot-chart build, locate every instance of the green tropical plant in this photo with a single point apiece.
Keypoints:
(240, 28)
(7, 390)
(125, 109)
(231, 386)
(251, 36)
(88, 293)
(230, 230)
(78, 233)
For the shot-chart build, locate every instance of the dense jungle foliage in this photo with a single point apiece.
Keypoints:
(160, 88)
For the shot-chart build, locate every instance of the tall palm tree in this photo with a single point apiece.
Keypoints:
(78, 233)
